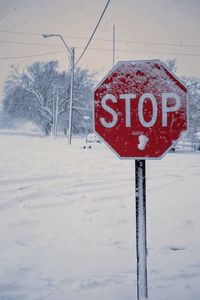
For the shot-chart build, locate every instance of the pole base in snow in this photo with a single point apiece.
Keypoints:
(87, 147)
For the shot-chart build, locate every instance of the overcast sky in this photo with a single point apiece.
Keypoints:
(145, 29)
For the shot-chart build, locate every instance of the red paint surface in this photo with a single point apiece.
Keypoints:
(139, 78)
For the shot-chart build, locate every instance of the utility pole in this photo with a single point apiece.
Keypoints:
(71, 95)
(72, 57)
(53, 110)
(56, 113)
(113, 45)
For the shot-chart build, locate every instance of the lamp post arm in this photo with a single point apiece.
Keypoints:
(60, 36)
(70, 51)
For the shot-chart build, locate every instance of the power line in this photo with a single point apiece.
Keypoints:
(54, 46)
(104, 49)
(28, 56)
(29, 44)
(160, 44)
(180, 44)
(146, 52)
(90, 39)
(119, 41)
(20, 32)
(156, 52)
(40, 34)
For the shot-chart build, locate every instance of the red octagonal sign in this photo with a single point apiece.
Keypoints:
(140, 109)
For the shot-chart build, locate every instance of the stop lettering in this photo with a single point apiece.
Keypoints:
(127, 107)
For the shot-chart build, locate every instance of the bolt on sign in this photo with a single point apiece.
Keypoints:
(140, 109)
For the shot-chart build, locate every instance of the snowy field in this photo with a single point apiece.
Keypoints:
(67, 223)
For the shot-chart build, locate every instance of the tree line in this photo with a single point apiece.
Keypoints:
(31, 94)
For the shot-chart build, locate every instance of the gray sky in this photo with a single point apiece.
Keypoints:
(145, 29)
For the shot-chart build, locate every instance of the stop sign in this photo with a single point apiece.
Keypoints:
(140, 109)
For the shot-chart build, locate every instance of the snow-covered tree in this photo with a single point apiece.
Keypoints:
(83, 86)
(171, 65)
(30, 95)
(193, 85)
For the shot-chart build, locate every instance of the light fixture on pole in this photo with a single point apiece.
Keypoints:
(72, 55)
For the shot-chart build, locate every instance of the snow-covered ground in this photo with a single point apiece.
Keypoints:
(67, 222)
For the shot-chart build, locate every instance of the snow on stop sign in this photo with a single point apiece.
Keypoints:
(140, 109)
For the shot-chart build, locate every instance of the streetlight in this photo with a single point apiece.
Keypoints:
(86, 118)
(72, 54)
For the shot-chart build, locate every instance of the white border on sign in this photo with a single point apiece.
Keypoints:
(137, 62)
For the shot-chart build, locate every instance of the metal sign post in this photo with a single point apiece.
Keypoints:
(141, 238)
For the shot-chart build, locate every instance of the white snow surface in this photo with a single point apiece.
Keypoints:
(143, 139)
(67, 222)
